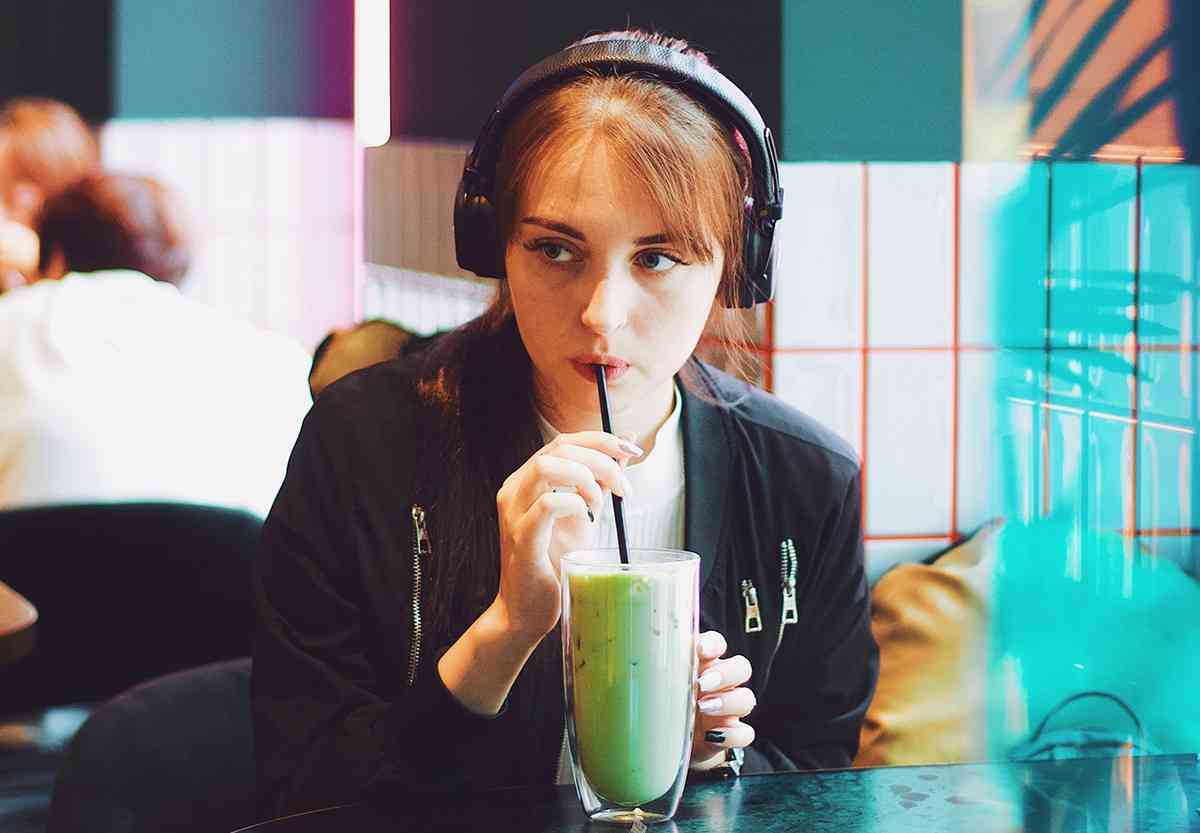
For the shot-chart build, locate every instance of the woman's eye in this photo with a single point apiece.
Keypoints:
(555, 253)
(656, 261)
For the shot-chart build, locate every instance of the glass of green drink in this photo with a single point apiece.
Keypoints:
(629, 667)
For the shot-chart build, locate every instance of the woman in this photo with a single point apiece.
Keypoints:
(408, 590)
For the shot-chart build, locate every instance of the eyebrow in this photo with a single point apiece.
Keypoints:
(571, 231)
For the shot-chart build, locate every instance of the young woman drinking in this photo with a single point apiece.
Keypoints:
(409, 590)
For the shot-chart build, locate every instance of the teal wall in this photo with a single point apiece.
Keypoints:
(872, 80)
(249, 58)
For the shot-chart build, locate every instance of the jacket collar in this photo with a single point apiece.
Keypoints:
(707, 461)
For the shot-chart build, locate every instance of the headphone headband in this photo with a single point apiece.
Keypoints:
(699, 80)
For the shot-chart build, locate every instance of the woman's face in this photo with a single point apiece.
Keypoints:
(594, 279)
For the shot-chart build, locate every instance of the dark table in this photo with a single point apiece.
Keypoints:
(1159, 794)
(17, 618)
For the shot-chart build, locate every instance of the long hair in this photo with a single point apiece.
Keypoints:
(476, 384)
(478, 379)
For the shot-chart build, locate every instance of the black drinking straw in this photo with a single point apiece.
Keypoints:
(606, 423)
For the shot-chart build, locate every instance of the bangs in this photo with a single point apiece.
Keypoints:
(664, 142)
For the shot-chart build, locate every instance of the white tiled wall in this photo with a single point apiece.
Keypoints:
(909, 452)
(271, 208)
(818, 291)
(825, 385)
(934, 378)
(910, 248)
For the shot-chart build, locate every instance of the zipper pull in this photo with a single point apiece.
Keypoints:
(750, 597)
(790, 614)
(418, 516)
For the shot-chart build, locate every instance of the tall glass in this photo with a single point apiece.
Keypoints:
(629, 668)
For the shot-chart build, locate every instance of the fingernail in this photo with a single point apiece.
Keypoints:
(630, 448)
(709, 680)
(713, 736)
(710, 704)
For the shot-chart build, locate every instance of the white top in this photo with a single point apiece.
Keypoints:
(654, 514)
(116, 387)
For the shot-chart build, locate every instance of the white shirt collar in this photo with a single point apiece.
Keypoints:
(659, 475)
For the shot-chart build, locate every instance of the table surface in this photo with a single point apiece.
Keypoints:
(1156, 794)
(17, 618)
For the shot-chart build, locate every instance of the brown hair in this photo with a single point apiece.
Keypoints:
(47, 144)
(687, 158)
(115, 221)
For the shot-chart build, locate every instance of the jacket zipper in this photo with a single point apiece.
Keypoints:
(750, 598)
(420, 547)
(787, 570)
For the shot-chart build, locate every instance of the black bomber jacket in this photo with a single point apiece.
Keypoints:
(346, 698)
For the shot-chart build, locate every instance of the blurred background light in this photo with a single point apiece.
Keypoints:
(372, 73)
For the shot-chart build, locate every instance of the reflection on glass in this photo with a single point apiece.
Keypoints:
(1094, 598)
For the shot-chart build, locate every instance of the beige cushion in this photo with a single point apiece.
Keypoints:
(931, 623)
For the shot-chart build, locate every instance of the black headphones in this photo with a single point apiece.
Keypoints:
(476, 233)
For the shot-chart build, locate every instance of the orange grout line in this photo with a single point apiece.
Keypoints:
(915, 536)
(1161, 533)
(866, 336)
(1128, 154)
(769, 364)
(933, 348)
(1137, 314)
(954, 334)
(1045, 428)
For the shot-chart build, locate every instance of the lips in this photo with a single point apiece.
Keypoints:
(601, 358)
(614, 368)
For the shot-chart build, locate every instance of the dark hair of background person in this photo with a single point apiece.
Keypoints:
(478, 378)
(369, 342)
(115, 221)
(46, 144)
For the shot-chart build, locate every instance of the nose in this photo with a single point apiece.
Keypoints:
(607, 308)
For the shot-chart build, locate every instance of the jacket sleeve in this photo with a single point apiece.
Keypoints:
(827, 667)
(334, 719)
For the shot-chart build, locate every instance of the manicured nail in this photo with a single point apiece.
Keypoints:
(630, 448)
(710, 704)
(709, 680)
(713, 736)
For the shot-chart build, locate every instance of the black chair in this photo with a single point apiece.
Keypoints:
(124, 592)
(173, 755)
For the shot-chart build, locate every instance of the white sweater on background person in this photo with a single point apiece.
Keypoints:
(116, 387)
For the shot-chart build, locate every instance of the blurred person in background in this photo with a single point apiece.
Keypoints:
(44, 147)
(364, 344)
(114, 386)
(348, 349)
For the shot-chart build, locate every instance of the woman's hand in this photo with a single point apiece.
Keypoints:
(721, 703)
(544, 511)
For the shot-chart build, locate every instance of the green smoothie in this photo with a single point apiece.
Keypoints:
(632, 656)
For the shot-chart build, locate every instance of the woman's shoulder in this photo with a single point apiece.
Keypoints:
(386, 400)
(765, 415)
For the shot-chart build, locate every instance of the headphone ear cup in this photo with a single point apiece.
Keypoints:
(476, 235)
(757, 262)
